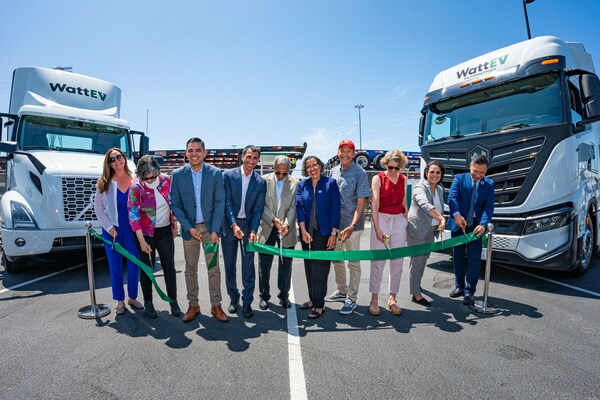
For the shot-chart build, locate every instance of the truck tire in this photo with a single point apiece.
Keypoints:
(587, 247)
(362, 160)
(13, 267)
(377, 162)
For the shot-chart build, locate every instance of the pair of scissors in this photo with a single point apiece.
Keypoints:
(281, 248)
(385, 239)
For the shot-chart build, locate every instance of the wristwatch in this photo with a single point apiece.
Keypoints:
(334, 233)
(353, 225)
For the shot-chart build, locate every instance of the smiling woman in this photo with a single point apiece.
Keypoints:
(318, 212)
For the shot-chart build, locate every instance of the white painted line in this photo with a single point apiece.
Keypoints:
(297, 381)
(553, 281)
(40, 278)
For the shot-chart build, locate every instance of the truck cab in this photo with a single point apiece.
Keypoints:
(60, 126)
(533, 109)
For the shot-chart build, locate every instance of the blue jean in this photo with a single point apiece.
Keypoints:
(230, 248)
(473, 251)
(125, 238)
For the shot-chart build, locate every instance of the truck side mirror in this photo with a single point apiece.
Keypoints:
(8, 147)
(590, 91)
(421, 129)
(144, 145)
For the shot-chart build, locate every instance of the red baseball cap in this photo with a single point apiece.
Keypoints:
(347, 142)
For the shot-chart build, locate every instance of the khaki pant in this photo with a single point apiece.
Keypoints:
(191, 253)
(350, 288)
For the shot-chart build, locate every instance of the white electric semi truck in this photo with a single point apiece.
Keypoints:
(59, 126)
(533, 109)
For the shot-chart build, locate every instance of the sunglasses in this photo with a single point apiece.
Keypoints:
(150, 178)
(115, 158)
(392, 168)
(281, 173)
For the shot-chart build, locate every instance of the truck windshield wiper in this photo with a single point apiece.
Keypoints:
(456, 136)
(508, 127)
(37, 148)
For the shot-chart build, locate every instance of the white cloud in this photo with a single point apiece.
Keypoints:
(398, 92)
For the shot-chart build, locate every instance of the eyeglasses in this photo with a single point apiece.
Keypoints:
(392, 168)
(115, 158)
(150, 178)
(315, 165)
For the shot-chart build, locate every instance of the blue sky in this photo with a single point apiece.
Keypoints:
(276, 72)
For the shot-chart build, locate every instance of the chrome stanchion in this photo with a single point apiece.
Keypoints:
(481, 306)
(94, 310)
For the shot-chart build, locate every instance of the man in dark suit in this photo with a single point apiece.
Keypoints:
(471, 202)
(198, 202)
(244, 205)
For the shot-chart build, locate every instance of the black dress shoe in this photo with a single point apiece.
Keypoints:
(285, 303)
(457, 293)
(149, 310)
(247, 310)
(423, 301)
(467, 300)
(233, 307)
(263, 305)
(175, 310)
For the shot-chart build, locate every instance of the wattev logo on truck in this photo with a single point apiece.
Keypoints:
(482, 68)
(77, 90)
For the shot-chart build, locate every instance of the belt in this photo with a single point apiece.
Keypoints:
(241, 219)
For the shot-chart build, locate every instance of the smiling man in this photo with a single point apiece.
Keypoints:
(245, 193)
(354, 190)
(198, 202)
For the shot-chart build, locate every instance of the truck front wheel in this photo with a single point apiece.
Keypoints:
(13, 267)
(587, 247)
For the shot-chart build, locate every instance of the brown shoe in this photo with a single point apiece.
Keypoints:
(191, 313)
(219, 314)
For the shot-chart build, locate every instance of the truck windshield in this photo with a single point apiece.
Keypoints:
(522, 103)
(68, 135)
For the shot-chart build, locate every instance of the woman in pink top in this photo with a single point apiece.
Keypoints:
(389, 215)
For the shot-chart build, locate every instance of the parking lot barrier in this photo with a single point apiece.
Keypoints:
(482, 306)
(94, 310)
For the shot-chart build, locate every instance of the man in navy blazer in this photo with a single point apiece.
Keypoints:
(471, 202)
(244, 204)
(198, 202)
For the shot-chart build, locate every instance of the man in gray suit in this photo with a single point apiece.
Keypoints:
(244, 204)
(198, 202)
(278, 226)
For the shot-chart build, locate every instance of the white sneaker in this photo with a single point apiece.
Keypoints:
(336, 296)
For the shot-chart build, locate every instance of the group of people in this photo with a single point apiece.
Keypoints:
(239, 205)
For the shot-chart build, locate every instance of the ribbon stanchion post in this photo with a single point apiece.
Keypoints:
(94, 310)
(481, 306)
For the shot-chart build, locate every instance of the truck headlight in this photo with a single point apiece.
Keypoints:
(21, 216)
(547, 223)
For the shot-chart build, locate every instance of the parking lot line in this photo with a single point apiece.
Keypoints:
(553, 281)
(41, 278)
(296, 367)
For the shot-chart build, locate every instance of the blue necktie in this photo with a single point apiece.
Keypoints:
(472, 205)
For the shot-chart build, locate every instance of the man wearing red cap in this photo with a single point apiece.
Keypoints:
(354, 190)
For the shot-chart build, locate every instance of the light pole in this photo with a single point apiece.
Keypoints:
(359, 106)
(525, 2)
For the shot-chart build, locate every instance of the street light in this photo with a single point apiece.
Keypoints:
(359, 106)
(525, 2)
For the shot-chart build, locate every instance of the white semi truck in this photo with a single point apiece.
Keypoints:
(533, 109)
(59, 126)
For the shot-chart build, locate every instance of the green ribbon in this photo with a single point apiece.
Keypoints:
(212, 248)
(145, 268)
(358, 255)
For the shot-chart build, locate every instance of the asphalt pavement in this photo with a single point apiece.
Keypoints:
(545, 342)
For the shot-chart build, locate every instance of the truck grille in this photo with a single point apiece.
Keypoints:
(78, 199)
